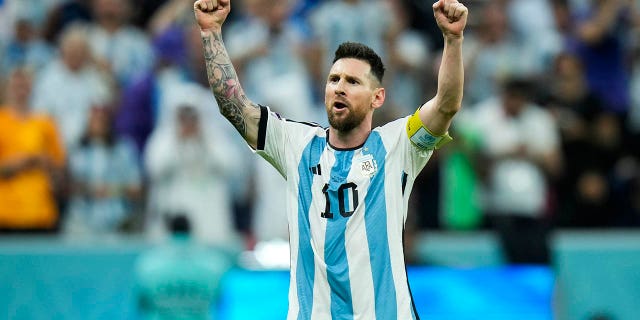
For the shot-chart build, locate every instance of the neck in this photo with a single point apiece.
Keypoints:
(111, 26)
(20, 109)
(350, 139)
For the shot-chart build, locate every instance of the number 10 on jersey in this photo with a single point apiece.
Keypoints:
(345, 192)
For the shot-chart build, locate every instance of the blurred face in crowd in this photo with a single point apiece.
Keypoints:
(188, 125)
(19, 89)
(494, 24)
(568, 65)
(112, 12)
(99, 122)
(569, 77)
(23, 31)
(74, 49)
(513, 102)
(276, 11)
(350, 93)
(252, 7)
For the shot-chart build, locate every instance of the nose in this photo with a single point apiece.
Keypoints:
(339, 88)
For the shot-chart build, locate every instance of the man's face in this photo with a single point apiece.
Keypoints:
(513, 103)
(19, 87)
(75, 52)
(349, 93)
(111, 10)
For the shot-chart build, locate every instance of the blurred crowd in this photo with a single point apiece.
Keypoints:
(107, 125)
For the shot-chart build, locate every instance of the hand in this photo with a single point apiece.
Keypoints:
(37, 161)
(451, 17)
(210, 14)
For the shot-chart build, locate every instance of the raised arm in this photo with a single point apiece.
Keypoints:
(234, 105)
(437, 113)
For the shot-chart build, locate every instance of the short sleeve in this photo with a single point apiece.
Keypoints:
(281, 140)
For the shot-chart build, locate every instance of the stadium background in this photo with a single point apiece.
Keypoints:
(459, 269)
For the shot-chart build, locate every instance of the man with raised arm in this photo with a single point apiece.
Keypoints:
(348, 185)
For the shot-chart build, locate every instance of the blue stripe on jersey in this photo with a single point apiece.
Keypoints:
(376, 224)
(335, 253)
(305, 272)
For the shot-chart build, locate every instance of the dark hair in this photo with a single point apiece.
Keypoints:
(178, 223)
(110, 138)
(518, 85)
(361, 52)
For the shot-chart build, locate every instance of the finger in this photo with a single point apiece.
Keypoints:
(449, 7)
(461, 11)
(446, 7)
(451, 10)
(437, 5)
(458, 11)
(203, 5)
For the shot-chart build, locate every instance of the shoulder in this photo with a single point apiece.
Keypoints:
(395, 125)
(274, 116)
(393, 132)
(535, 112)
(134, 34)
(124, 144)
(44, 119)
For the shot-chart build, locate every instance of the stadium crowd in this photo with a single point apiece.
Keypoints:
(107, 125)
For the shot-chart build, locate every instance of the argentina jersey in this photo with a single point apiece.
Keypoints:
(346, 210)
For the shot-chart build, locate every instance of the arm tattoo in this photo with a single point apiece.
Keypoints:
(224, 83)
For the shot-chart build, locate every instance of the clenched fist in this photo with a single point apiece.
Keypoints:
(210, 14)
(451, 17)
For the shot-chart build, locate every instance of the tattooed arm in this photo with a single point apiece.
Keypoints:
(234, 105)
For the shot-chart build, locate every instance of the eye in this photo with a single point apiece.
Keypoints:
(353, 81)
(334, 79)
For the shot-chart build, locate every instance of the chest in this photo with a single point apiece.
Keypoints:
(19, 137)
(340, 181)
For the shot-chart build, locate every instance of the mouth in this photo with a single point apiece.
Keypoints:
(340, 105)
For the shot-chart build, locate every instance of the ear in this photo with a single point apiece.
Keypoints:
(378, 98)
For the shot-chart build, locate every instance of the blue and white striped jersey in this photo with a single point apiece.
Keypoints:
(346, 210)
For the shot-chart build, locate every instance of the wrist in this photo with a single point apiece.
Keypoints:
(453, 38)
(211, 30)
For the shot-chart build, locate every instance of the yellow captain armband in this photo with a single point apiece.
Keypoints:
(421, 137)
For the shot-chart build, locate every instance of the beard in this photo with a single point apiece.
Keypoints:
(346, 123)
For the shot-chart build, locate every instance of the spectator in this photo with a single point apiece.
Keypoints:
(521, 144)
(409, 53)
(119, 46)
(274, 59)
(336, 21)
(269, 51)
(598, 38)
(143, 98)
(540, 37)
(180, 279)
(190, 166)
(5, 24)
(492, 54)
(71, 84)
(584, 191)
(106, 180)
(26, 48)
(64, 14)
(31, 161)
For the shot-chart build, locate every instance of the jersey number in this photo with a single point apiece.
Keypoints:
(345, 187)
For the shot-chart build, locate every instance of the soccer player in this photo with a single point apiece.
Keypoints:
(348, 185)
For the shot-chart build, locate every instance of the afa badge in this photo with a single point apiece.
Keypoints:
(368, 165)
